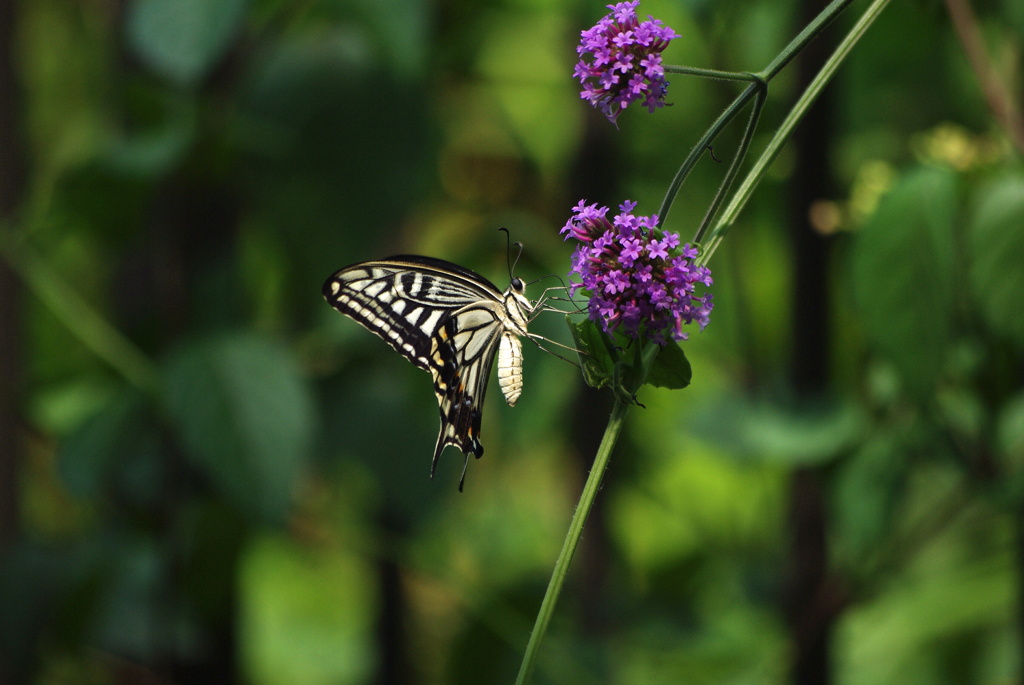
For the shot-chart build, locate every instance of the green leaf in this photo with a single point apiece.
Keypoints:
(1010, 432)
(361, 406)
(596, 359)
(307, 612)
(868, 488)
(602, 365)
(183, 39)
(1010, 447)
(297, 120)
(996, 242)
(812, 433)
(903, 279)
(158, 144)
(86, 456)
(116, 452)
(244, 417)
(671, 369)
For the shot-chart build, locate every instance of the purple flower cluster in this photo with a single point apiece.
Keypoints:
(620, 61)
(637, 281)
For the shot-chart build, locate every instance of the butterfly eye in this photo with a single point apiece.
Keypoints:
(517, 285)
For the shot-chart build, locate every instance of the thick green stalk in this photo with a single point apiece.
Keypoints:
(746, 189)
(547, 607)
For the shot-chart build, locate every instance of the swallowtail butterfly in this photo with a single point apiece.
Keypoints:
(448, 321)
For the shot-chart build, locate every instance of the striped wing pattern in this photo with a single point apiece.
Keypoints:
(444, 319)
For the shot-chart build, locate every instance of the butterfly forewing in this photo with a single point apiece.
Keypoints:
(444, 319)
(405, 299)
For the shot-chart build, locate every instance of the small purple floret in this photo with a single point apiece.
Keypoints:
(640, 280)
(620, 61)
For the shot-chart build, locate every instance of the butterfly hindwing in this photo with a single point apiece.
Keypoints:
(462, 354)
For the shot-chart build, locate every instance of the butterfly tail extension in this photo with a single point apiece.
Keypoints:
(465, 467)
(460, 427)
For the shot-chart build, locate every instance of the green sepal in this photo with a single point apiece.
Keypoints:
(670, 369)
(597, 357)
(624, 383)
(602, 363)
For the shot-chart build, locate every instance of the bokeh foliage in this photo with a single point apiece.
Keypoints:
(225, 481)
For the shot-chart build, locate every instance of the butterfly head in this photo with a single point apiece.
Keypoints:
(518, 308)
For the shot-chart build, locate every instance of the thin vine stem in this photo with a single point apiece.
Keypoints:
(712, 73)
(80, 318)
(579, 518)
(734, 166)
(785, 130)
(698, 150)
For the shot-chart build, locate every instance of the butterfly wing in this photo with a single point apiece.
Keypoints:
(443, 318)
(462, 353)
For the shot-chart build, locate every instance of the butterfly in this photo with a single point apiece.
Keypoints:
(448, 321)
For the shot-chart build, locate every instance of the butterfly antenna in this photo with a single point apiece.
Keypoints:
(508, 251)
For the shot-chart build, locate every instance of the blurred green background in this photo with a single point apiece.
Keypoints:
(207, 475)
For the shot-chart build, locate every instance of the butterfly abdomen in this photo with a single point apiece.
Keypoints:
(510, 367)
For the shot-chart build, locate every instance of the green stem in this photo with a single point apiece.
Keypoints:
(711, 73)
(80, 318)
(547, 607)
(746, 189)
(734, 166)
(759, 82)
(698, 150)
(810, 32)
